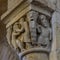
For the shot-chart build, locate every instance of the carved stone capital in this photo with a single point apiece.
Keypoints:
(29, 26)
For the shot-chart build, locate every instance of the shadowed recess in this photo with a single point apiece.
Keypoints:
(3, 6)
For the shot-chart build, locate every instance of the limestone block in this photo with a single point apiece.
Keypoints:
(15, 13)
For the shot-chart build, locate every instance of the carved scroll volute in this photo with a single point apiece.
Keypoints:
(18, 34)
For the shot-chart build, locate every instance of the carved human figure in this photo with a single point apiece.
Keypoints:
(20, 41)
(44, 31)
(16, 32)
(24, 37)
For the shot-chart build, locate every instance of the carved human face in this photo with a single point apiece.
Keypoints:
(21, 22)
(15, 26)
(43, 20)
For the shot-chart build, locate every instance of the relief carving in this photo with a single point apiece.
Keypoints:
(44, 35)
(40, 30)
(31, 31)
